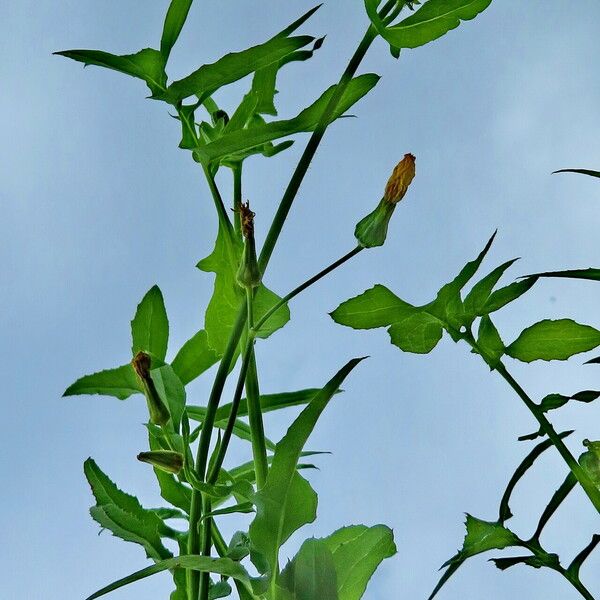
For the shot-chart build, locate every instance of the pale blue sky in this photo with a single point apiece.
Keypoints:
(98, 204)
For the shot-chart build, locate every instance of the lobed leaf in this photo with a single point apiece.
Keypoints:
(480, 293)
(580, 171)
(418, 333)
(433, 20)
(557, 499)
(481, 536)
(234, 66)
(526, 464)
(121, 383)
(174, 22)
(287, 502)
(553, 340)
(489, 342)
(554, 401)
(377, 307)
(123, 515)
(223, 307)
(171, 391)
(150, 326)
(357, 551)
(220, 566)
(147, 64)
(242, 140)
(194, 357)
(591, 274)
(311, 573)
(507, 294)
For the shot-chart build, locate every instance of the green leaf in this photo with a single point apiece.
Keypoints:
(147, 64)
(489, 342)
(271, 402)
(150, 326)
(575, 566)
(357, 552)
(311, 574)
(526, 464)
(433, 20)
(553, 340)
(240, 428)
(478, 296)
(174, 21)
(481, 536)
(224, 305)
(221, 589)
(195, 357)
(121, 383)
(220, 566)
(239, 141)
(507, 294)
(580, 171)
(234, 66)
(264, 81)
(554, 401)
(241, 508)
(173, 492)
(123, 514)
(557, 499)
(537, 562)
(377, 307)
(418, 333)
(171, 391)
(591, 274)
(287, 502)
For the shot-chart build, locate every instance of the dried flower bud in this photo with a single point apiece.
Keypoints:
(590, 461)
(166, 460)
(401, 178)
(248, 275)
(159, 413)
(372, 230)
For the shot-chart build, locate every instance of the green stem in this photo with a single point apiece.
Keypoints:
(305, 285)
(315, 139)
(535, 548)
(546, 427)
(235, 404)
(206, 546)
(255, 420)
(237, 197)
(272, 237)
(218, 200)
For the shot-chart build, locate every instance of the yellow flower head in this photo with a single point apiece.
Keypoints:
(401, 178)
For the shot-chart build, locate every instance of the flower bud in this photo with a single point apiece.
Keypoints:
(590, 461)
(248, 275)
(372, 230)
(166, 460)
(159, 413)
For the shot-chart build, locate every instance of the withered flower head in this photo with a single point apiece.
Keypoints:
(401, 178)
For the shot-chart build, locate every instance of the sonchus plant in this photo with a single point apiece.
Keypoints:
(190, 462)
(467, 318)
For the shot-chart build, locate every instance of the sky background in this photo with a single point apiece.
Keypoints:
(98, 204)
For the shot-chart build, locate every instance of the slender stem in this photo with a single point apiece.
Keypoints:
(579, 587)
(193, 578)
(218, 200)
(315, 139)
(237, 197)
(255, 420)
(235, 404)
(305, 285)
(206, 546)
(272, 237)
(582, 477)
